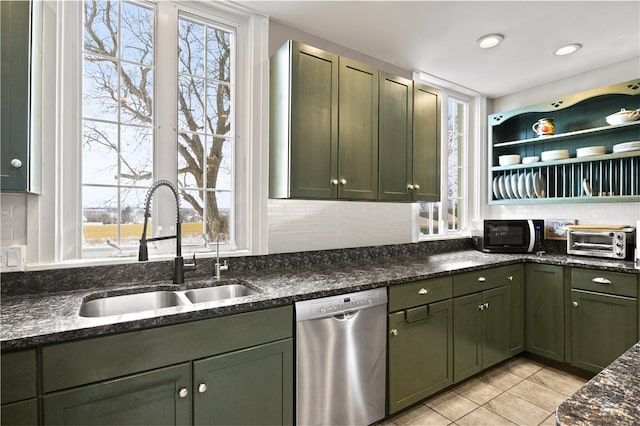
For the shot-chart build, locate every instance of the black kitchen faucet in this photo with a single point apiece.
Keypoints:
(179, 266)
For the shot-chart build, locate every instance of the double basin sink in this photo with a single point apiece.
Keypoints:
(158, 299)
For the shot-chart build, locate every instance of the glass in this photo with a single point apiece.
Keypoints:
(99, 215)
(137, 33)
(190, 158)
(99, 153)
(219, 163)
(136, 100)
(190, 104)
(101, 27)
(219, 108)
(132, 216)
(100, 90)
(218, 54)
(191, 40)
(136, 156)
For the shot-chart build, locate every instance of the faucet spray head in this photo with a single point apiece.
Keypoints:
(143, 252)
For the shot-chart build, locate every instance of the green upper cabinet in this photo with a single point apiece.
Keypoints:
(357, 176)
(396, 138)
(20, 153)
(303, 130)
(340, 129)
(323, 126)
(426, 143)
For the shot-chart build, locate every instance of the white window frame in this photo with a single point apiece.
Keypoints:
(57, 238)
(476, 104)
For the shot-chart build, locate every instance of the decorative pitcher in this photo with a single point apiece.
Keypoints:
(544, 127)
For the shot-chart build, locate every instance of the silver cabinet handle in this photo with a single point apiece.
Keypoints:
(16, 163)
(343, 181)
(416, 186)
(600, 280)
(423, 291)
(486, 305)
(481, 279)
(510, 278)
(575, 304)
(481, 307)
(202, 388)
(334, 182)
(183, 392)
(410, 187)
(394, 332)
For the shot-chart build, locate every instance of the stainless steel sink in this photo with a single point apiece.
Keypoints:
(151, 300)
(129, 303)
(221, 292)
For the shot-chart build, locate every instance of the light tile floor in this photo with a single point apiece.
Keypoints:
(518, 392)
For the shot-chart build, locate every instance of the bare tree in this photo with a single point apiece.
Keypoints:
(132, 92)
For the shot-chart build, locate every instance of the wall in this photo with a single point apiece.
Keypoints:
(588, 213)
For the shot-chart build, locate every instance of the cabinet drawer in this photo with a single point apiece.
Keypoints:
(92, 360)
(18, 375)
(605, 282)
(419, 293)
(471, 282)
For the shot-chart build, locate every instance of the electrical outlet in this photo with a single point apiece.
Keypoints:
(12, 258)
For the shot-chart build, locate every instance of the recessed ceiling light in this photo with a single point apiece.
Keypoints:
(568, 49)
(490, 40)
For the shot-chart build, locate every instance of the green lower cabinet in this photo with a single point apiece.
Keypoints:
(20, 413)
(479, 331)
(515, 323)
(420, 353)
(251, 386)
(544, 310)
(158, 397)
(603, 327)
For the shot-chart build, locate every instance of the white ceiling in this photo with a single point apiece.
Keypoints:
(439, 37)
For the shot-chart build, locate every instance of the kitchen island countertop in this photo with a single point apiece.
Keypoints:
(47, 317)
(610, 398)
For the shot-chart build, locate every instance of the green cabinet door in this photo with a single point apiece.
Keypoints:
(251, 386)
(157, 397)
(303, 115)
(544, 310)
(603, 328)
(494, 325)
(15, 38)
(420, 353)
(20, 413)
(395, 138)
(426, 143)
(515, 322)
(467, 336)
(357, 131)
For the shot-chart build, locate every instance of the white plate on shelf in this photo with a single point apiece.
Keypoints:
(508, 188)
(627, 146)
(502, 189)
(590, 150)
(529, 185)
(496, 189)
(514, 186)
(558, 154)
(521, 185)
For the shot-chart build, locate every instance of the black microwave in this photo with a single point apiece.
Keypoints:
(509, 236)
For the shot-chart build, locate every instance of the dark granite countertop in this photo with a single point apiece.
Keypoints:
(32, 319)
(611, 398)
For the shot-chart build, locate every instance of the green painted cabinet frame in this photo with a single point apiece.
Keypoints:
(545, 325)
(420, 353)
(323, 137)
(480, 337)
(409, 140)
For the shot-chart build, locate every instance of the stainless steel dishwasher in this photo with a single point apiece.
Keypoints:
(341, 359)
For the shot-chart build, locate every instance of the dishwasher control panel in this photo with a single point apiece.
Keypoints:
(335, 305)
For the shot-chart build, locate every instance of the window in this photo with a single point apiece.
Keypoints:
(448, 215)
(160, 95)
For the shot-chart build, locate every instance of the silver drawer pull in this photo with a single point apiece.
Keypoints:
(394, 332)
(183, 393)
(423, 291)
(481, 279)
(600, 280)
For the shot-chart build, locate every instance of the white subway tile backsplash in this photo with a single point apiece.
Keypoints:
(303, 225)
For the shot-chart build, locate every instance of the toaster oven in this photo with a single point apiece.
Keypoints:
(600, 242)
